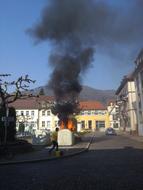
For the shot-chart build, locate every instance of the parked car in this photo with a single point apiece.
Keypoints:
(110, 131)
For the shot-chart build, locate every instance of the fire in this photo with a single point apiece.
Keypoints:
(70, 125)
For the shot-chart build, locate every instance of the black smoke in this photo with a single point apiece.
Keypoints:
(73, 27)
(76, 27)
(90, 21)
(65, 79)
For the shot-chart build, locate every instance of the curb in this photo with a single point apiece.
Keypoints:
(49, 159)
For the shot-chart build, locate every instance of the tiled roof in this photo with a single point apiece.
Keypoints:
(91, 105)
(30, 103)
(34, 103)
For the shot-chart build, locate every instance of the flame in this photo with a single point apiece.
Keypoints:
(70, 125)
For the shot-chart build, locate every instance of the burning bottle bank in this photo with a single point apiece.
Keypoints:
(65, 110)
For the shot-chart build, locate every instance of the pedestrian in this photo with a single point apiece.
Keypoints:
(54, 140)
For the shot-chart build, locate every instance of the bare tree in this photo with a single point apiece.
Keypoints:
(20, 86)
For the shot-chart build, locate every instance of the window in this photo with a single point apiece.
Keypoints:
(89, 124)
(43, 113)
(114, 117)
(48, 112)
(48, 124)
(83, 124)
(22, 112)
(82, 113)
(117, 109)
(89, 112)
(96, 112)
(32, 113)
(100, 124)
(100, 112)
(93, 112)
(43, 123)
(27, 113)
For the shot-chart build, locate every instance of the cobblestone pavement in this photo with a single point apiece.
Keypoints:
(112, 163)
(42, 153)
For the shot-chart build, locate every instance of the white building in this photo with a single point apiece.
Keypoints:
(35, 113)
(138, 77)
(126, 98)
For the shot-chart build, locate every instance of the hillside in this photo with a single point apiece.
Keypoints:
(103, 96)
(87, 93)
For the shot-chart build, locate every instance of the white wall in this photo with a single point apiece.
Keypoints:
(27, 118)
(132, 105)
(51, 119)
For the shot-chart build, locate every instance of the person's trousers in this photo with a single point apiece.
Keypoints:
(54, 146)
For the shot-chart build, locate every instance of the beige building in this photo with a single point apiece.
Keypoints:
(126, 99)
(138, 77)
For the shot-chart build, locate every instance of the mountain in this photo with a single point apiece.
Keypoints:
(87, 93)
(103, 96)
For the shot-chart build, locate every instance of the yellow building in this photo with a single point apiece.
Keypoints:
(93, 115)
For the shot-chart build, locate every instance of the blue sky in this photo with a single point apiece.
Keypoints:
(19, 55)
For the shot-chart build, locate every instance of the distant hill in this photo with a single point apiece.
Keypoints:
(103, 96)
(87, 93)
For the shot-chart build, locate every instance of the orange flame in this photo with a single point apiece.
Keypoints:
(70, 125)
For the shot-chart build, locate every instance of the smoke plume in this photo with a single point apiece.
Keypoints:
(76, 27)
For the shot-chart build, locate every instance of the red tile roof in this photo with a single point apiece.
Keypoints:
(30, 103)
(91, 105)
(34, 103)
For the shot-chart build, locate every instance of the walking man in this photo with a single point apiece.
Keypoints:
(54, 138)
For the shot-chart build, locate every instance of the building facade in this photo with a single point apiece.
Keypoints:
(126, 99)
(138, 77)
(35, 114)
(93, 116)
